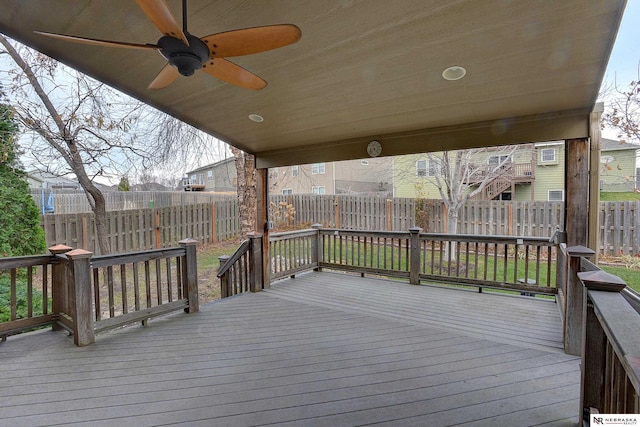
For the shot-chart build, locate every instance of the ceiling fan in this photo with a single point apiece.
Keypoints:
(187, 53)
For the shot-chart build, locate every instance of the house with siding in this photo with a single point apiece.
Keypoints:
(532, 172)
(371, 176)
(218, 177)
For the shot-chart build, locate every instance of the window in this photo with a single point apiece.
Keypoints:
(294, 170)
(427, 167)
(317, 169)
(556, 195)
(192, 179)
(548, 155)
(317, 190)
(421, 168)
(209, 175)
(496, 160)
(287, 191)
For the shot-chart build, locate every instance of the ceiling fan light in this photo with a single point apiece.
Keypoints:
(186, 63)
(256, 118)
(454, 72)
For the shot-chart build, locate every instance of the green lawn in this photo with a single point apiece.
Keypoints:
(629, 196)
(630, 276)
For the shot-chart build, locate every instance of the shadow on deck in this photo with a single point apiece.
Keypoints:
(321, 349)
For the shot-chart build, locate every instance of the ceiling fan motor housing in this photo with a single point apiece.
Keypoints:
(187, 59)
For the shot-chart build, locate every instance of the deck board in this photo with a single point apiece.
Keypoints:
(321, 349)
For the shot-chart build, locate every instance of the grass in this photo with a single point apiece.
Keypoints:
(630, 275)
(629, 196)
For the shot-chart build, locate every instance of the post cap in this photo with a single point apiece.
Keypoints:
(580, 251)
(189, 241)
(600, 280)
(59, 249)
(79, 254)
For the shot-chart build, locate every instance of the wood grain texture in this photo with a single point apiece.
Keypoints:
(294, 355)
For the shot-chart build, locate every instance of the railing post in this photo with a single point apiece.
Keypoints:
(414, 256)
(79, 274)
(575, 297)
(59, 288)
(256, 263)
(224, 279)
(316, 249)
(190, 274)
(594, 349)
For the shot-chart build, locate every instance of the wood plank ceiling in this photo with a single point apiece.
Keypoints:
(363, 70)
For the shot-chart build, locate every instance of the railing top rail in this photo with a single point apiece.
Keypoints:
(520, 240)
(25, 261)
(289, 234)
(244, 247)
(621, 323)
(343, 231)
(131, 257)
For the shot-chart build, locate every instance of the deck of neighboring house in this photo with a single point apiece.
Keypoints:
(321, 349)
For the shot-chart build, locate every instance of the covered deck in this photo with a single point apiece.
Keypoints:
(324, 348)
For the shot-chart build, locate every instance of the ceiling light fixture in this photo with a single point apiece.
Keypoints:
(454, 72)
(256, 118)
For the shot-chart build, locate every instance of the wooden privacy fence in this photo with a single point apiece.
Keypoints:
(153, 228)
(144, 229)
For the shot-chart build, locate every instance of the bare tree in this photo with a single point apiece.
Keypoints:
(622, 109)
(81, 127)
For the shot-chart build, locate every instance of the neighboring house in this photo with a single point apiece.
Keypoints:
(415, 174)
(366, 176)
(618, 166)
(43, 180)
(218, 177)
(534, 172)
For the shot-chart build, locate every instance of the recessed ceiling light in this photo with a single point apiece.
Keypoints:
(256, 118)
(454, 72)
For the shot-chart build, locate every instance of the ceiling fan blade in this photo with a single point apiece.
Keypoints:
(98, 42)
(165, 77)
(158, 13)
(251, 40)
(232, 73)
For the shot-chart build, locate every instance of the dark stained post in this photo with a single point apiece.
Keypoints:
(255, 262)
(79, 274)
(316, 247)
(577, 191)
(59, 287)
(594, 349)
(224, 279)
(414, 256)
(262, 223)
(574, 316)
(190, 274)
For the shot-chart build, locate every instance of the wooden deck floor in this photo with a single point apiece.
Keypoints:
(324, 349)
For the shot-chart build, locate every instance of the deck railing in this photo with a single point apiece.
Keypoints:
(609, 314)
(26, 293)
(86, 295)
(242, 271)
(522, 264)
(134, 287)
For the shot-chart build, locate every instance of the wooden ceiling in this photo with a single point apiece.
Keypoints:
(363, 70)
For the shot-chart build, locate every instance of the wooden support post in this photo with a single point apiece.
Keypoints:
(190, 274)
(79, 277)
(59, 287)
(594, 181)
(316, 248)
(414, 256)
(255, 262)
(389, 216)
(224, 280)
(574, 314)
(262, 224)
(577, 191)
(594, 352)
